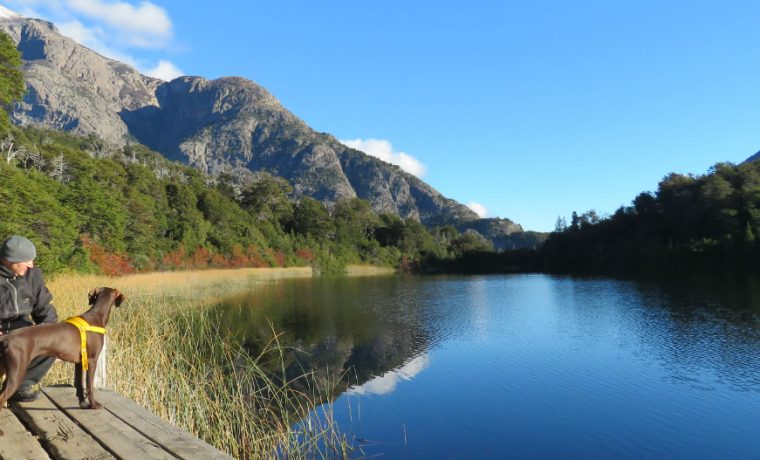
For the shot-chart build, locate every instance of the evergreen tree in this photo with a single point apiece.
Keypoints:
(311, 219)
(355, 222)
(11, 79)
(267, 198)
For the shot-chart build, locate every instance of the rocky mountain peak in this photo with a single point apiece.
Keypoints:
(230, 125)
(73, 88)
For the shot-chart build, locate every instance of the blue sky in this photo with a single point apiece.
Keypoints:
(531, 109)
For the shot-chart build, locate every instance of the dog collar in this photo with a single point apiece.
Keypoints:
(84, 327)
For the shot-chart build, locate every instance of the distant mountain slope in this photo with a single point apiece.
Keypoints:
(504, 234)
(754, 157)
(227, 125)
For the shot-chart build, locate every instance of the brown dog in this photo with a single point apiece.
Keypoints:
(61, 340)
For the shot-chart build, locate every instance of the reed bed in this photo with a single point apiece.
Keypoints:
(168, 354)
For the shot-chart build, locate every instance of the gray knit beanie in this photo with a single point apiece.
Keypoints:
(18, 249)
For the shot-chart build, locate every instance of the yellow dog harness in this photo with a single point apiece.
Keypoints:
(84, 327)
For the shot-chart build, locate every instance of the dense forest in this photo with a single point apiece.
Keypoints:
(92, 208)
(705, 222)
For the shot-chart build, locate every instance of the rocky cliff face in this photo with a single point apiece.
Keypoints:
(234, 123)
(72, 88)
(227, 125)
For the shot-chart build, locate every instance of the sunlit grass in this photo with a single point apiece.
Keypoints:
(169, 357)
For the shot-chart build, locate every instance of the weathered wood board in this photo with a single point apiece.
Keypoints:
(16, 442)
(55, 427)
(121, 439)
(178, 442)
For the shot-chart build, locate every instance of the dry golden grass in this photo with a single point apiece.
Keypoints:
(70, 291)
(170, 358)
(368, 270)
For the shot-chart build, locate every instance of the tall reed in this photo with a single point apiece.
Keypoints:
(170, 357)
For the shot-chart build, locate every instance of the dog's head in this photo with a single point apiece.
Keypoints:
(118, 297)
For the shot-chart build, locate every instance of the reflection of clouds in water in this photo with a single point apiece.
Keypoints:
(387, 382)
(478, 298)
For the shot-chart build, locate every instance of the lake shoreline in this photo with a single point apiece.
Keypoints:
(167, 354)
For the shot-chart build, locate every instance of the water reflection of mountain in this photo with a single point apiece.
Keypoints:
(343, 332)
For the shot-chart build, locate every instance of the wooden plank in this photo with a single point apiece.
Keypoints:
(17, 442)
(121, 439)
(180, 443)
(62, 438)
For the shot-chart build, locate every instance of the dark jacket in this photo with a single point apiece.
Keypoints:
(22, 297)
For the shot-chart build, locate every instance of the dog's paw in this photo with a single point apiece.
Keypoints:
(89, 403)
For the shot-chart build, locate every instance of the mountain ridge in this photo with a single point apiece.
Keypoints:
(753, 157)
(228, 125)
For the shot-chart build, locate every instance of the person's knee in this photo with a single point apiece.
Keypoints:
(38, 368)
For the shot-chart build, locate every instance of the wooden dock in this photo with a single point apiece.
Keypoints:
(54, 427)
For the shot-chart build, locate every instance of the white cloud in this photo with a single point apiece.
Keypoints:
(146, 25)
(165, 70)
(78, 32)
(6, 13)
(121, 24)
(26, 9)
(93, 38)
(110, 28)
(386, 383)
(383, 150)
(479, 209)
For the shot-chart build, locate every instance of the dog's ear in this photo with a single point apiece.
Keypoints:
(119, 298)
(93, 295)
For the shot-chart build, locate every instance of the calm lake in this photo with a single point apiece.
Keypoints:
(527, 366)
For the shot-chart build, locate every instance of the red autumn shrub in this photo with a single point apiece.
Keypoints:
(305, 254)
(280, 258)
(110, 263)
(237, 258)
(175, 259)
(201, 257)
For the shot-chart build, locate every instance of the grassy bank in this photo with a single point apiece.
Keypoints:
(174, 361)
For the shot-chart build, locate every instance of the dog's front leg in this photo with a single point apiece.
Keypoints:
(15, 370)
(10, 385)
(90, 389)
(14, 374)
(78, 383)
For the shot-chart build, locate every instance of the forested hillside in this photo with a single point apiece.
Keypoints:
(116, 211)
(710, 221)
